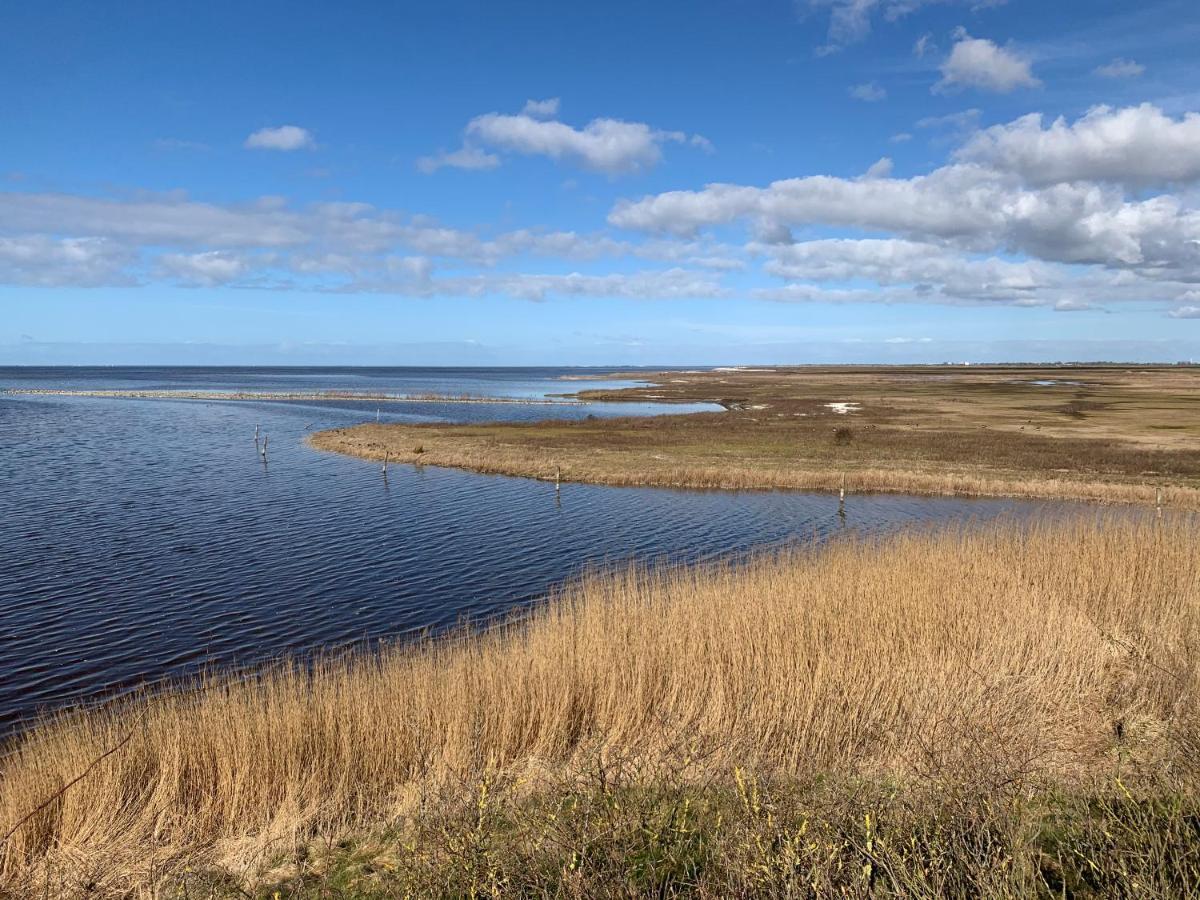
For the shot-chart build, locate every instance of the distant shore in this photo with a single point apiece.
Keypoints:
(290, 395)
(1099, 434)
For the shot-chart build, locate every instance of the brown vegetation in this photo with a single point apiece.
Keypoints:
(982, 665)
(1097, 434)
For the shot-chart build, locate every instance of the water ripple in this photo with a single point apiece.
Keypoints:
(146, 539)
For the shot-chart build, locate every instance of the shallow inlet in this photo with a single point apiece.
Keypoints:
(148, 539)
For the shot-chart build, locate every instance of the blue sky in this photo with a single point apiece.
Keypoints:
(599, 184)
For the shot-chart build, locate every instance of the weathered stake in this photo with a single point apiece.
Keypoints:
(1158, 501)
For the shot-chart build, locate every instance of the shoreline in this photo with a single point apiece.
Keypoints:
(483, 460)
(1091, 434)
(287, 396)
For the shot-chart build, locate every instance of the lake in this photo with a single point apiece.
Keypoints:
(146, 539)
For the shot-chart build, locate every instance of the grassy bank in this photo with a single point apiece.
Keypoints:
(1096, 434)
(941, 705)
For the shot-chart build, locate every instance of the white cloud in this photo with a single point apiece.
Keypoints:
(1068, 305)
(980, 63)
(1138, 145)
(611, 146)
(923, 45)
(1185, 312)
(851, 20)
(342, 246)
(208, 269)
(901, 138)
(285, 137)
(541, 109)
(470, 158)
(868, 92)
(669, 284)
(49, 261)
(931, 269)
(973, 205)
(881, 168)
(1027, 214)
(1120, 68)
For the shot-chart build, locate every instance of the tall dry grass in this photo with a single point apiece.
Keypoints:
(988, 657)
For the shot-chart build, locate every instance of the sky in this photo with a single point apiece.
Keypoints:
(668, 183)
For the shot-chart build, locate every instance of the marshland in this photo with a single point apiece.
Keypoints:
(440, 682)
(1099, 433)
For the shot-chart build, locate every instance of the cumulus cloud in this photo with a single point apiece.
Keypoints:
(1185, 312)
(470, 158)
(1120, 68)
(1073, 197)
(1138, 146)
(968, 205)
(1095, 211)
(285, 137)
(612, 146)
(1025, 214)
(980, 63)
(869, 92)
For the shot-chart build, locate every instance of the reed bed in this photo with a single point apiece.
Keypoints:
(985, 660)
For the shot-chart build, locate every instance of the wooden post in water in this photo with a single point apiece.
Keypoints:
(1158, 501)
(266, 438)
(842, 499)
(557, 478)
(385, 462)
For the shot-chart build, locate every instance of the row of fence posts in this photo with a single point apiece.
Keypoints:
(1158, 494)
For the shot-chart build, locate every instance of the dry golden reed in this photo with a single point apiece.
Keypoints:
(990, 654)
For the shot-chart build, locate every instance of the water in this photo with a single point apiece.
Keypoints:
(143, 539)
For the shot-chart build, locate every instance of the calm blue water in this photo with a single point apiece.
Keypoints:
(146, 539)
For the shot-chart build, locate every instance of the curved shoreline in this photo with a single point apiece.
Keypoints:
(1101, 435)
(400, 443)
